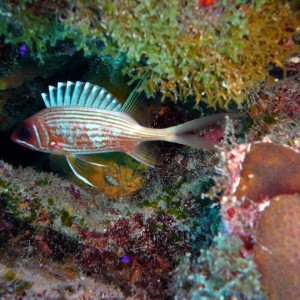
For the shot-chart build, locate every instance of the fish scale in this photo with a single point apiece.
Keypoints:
(71, 121)
(81, 119)
(100, 119)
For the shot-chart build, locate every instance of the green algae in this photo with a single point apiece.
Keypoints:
(219, 273)
(67, 215)
(168, 202)
(216, 55)
(51, 201)
(12, 284)
(10, 275)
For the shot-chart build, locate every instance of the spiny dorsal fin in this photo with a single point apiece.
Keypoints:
(80, 94)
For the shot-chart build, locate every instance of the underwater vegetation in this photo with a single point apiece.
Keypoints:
(51, 222)
(202, 225)
(77, 238)
(218, 273)
(258, 188)
(215, 53)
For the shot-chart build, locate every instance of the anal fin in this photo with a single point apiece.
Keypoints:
(146, 153)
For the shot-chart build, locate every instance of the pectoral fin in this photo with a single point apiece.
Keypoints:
(59, 162)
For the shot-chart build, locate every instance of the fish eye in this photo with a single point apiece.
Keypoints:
(24, 132)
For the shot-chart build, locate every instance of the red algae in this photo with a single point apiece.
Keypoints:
(149, 261)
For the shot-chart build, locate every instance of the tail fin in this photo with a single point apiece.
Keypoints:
(179, 134)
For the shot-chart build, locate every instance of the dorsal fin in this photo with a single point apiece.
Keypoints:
(135, 106)
(80, 94)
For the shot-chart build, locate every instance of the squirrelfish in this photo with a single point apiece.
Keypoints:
(82, 119)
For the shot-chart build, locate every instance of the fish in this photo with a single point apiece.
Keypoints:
(82, 120)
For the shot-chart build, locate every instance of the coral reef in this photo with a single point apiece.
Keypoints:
(204, 57)
(201, 225)
(219, 273)
(268, 170)
(48, 219)
(259, 197)
(257, 209)
(278, 261)
(217, 53)
(38, 280)
(49, 222)
(276, 105)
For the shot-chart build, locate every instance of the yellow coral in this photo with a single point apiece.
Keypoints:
(121, 175)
